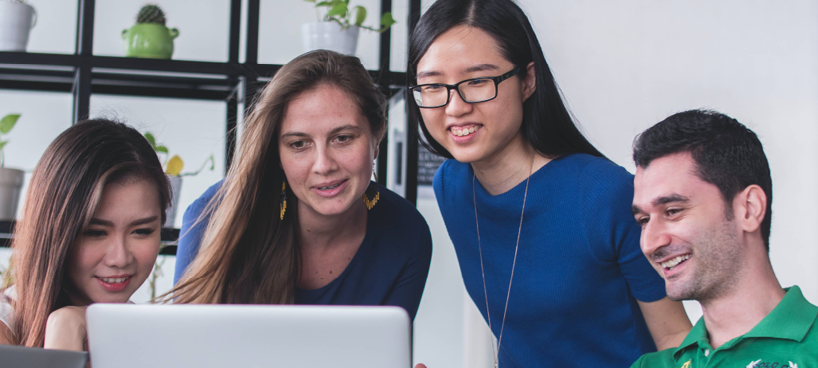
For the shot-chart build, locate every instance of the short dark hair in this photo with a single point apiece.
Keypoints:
(547, 124)
(727, 154)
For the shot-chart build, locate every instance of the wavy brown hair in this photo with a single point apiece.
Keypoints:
(63, 195)
(248, 255)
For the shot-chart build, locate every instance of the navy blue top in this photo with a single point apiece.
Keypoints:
(579, 268)
(390, 267)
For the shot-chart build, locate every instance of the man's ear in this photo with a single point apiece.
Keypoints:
(750, 208)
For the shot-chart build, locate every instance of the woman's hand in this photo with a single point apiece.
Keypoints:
(65, 329)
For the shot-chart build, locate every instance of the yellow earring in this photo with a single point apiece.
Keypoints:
(372, 192)
(283, 199)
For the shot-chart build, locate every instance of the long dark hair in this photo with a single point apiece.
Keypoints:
(248, 254)
(547, 124)
(65, 189)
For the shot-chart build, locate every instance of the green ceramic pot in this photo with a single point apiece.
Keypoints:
(149, 40)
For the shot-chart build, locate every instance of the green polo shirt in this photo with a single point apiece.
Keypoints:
(786, 338)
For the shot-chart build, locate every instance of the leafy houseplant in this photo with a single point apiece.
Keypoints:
(150, 38)
(16, 21)
(338, 11)
(338, 28)
(11, 180)
(173, 168)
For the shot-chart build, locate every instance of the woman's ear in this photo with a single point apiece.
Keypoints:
(529, 80)
(378, 136)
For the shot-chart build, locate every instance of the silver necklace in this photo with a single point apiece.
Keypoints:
(496, 353)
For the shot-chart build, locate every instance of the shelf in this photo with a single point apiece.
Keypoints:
(169, 237)
(144, 77)
(83, 74)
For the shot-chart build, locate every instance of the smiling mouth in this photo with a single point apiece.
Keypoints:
(462, 132)
(331, 187)
(114, 280)
(672, 263)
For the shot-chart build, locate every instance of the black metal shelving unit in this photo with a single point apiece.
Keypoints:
(233, 82)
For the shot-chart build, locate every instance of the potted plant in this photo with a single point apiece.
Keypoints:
(149, 38)
(11, 180)
(16, 21)
(173, 169)
(338, 28)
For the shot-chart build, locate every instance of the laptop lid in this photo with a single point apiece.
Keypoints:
(22, 357)
(211, 336)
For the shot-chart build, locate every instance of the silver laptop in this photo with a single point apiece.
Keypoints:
(210, 336)
(22, 357)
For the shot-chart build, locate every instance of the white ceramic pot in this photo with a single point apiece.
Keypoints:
(176, 189)
(16, 21)
(11, 181)
(329, 36)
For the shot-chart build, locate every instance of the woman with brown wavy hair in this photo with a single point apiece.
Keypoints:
(90, 233)
(297, 220)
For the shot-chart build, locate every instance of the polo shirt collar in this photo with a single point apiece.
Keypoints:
(791, 319)
(696, 336)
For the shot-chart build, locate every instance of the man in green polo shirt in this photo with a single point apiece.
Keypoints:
(703, 195)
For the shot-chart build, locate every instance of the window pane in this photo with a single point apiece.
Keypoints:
(280, 31)
(191, 129)
(43, 116)
(203, 27)
(56, 28)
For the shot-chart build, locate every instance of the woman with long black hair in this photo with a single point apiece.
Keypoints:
(540, 219)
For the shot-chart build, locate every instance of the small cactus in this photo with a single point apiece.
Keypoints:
(151, 14)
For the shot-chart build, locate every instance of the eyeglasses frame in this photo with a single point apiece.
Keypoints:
(456, 87)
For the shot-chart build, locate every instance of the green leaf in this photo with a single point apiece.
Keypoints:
(360, 15)
(310, 1)
(387, 21)
(175, 166)
(8, 123)
(339, 10)
(324, 3)
(150, 139)
(162, 149)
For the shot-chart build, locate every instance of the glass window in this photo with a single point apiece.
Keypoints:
(189, 128)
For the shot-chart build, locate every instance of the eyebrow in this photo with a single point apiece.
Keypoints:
(142, 221)
(471, 69)
(331, 132)
(673, 198)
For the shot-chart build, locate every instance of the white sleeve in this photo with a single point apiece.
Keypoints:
(6, 309)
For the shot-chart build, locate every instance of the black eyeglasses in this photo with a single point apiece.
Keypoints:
(470, 90)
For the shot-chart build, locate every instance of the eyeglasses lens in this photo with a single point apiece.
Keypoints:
(472, 91)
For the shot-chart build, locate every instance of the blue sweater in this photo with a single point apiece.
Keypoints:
(390, 267)
(579, 268)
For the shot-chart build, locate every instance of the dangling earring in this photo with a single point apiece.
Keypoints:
(283, 198)
(372, 192)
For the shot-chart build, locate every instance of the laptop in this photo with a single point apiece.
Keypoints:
(23, 357)
(211, 336)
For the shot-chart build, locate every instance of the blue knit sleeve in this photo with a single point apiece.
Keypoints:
(192, 231)
(437, 181)
(611, 231)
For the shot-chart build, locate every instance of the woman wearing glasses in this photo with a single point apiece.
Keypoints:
(540, 219)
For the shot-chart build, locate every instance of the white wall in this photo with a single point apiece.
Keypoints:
(626, 65)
